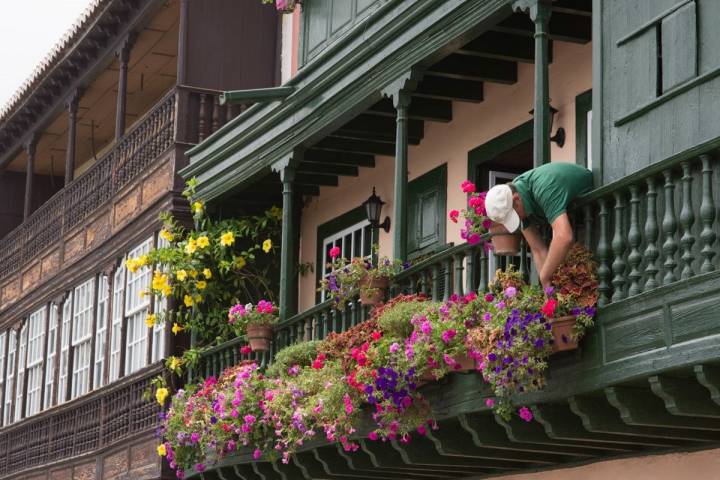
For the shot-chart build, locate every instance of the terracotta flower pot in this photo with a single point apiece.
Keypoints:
(504, 242)
(562, 328)
(259, 337)
(466, 363)
(373, 290)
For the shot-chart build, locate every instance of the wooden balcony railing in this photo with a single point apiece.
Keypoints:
(94, 421)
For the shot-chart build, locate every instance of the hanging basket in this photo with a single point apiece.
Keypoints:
(259, 337)
(504, 242)
(562, 328)
(373, 290)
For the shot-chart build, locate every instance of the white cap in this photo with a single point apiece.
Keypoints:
(499, 207)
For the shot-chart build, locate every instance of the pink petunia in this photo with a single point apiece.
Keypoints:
(525, 414)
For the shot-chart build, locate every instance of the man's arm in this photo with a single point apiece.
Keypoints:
(562, 240)
(537, 246)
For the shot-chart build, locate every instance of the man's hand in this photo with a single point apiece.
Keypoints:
(537, 246)
(562, 240)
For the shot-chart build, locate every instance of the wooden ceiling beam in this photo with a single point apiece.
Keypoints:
(340, 144)
(477, 69)
(563, 27)
(428, 109)
(452, 89)
(315, 179)
(502, 46)
(319, 168)
(325, 157)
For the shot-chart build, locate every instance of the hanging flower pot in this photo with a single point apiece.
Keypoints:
(504, 242)
(259, 337)
(562, 328)
(373, 289)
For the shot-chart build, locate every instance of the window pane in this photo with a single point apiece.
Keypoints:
(352, 241)
(7, 408)
(50, 363)
(35, 355)
(64, 349)
(117, 316)
(22, 352)
(100, 332)
(136, 310)
(82, 338)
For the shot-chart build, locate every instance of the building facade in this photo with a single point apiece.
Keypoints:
(410, 98)
(90, 149)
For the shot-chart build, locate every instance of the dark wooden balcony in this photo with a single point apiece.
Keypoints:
(647, 376)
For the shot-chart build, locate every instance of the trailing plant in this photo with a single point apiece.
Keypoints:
(242, 316)
(290, 358)
(393, 316)
(574, 287)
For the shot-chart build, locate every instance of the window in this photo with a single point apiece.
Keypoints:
(158, 333)
(117, 317)
(7, 407)
(64, 350)
(426, 212)
(136, 310)
(51, 353)
(3, 340)
(103, 295)
(350, 232)
(22, 352)
(82, 338)
(35, 355)
(583, 130)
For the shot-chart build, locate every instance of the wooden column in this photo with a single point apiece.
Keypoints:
(288, 246)
(30, 148)
(72, 108)
(539, 11)
(182, 43)
(123, 55)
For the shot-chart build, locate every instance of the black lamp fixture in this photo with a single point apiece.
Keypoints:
(559, 137)
(373, 209)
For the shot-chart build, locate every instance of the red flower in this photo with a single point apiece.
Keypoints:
(376, 335)
(454, 214)
(319, 361)
(334, 252)
(467, 186)
(245, 349)
(549, 308)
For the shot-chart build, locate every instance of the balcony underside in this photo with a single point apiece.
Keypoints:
(646, 380)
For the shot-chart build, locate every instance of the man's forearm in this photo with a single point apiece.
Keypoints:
(559, 248)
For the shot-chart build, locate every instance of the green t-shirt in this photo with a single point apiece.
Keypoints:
(547, 190)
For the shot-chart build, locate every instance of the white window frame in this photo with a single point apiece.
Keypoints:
(588, 143)
(10, 378)
(81, 343)
(158, 331)
(50, 357)
(22, 358)
(35, 357)
(64, 349)
(101, 326)
(3, 339)
(137, 309)
(118, 304)
(338, 240)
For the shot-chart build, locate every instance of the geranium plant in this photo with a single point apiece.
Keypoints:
(476, 221)
(242, 316)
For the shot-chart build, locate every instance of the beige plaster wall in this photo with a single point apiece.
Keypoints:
(504, 108)
(703, 465)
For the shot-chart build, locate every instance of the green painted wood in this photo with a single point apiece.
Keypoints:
(448, 279)
(669, 227)
(361, 460)
(599, 416)
(501, 46)
(562, 423)
(651, 253)
(338, 467)
(618, 248)
(484, 274)
(684, 397)
(583, 105)
(687, 219)
(400, 191)
(288, 247)
(458, 274)
(422, 453)
(563, 27)
(603, 252)
(288, 471)
(491, 149)
(427, 204)
(707, 216)
(454, 89)
(541, 119)
(324, 157)
(638, 406)
(709, 377)
(476, 69)
(383, 455)
(679, 46)
(265, 471)
(532, 432)
(421, 108)
(634, 238)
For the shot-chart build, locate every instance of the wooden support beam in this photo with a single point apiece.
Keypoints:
(123, 55)
(453, 89)
(318, 168)
(334, 464)
(314, 179)
(573, 7)
(428, 109)
(337, 144)
(563, 27)
(30, 149)
(325, 157)
(532, 432)
(709, 377)
(476, 69)
(638, 406)
(381, 129)
(684, 397)
(361, 460)
(599, 416)
(72, 107)
(423, 451)
(265, 470)
(288, 255)
(382, 456)
(502, 46)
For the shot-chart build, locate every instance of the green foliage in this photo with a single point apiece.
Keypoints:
(301, 354)
(393, 317)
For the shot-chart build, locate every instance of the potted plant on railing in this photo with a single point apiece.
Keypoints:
(348, 278)
(256, 322)
(478, 224)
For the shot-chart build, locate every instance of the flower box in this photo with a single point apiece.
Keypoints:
(562, 328)
(465, 363)
(504, 242)
(259, 337)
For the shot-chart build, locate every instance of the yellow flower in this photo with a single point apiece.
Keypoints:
(164, 234)
(276, 212)
(191, 246)
(176, 329)
(267, 245)
(197, 207)
(201, 285)
(181, 275)
(162, 451)
(150, 320)
(203, 241)
(159, 281)
(161, 394)
(198, 298)
(132, 264)
(227, 239)
(193, 273)
(166, 290)
(240, 262)
(207, 273)
(188, 301)
(174, 362)
(143, 260)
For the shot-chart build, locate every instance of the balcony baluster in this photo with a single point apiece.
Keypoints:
(651, 234)
(457, 282)
(687, 219)
(603, 251)
(707, 216)
(634, 258)
(669, 226)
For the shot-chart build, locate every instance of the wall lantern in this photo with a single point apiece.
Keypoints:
(373, 209)
(559, 137)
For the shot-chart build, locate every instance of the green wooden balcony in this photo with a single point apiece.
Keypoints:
(647, 377)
